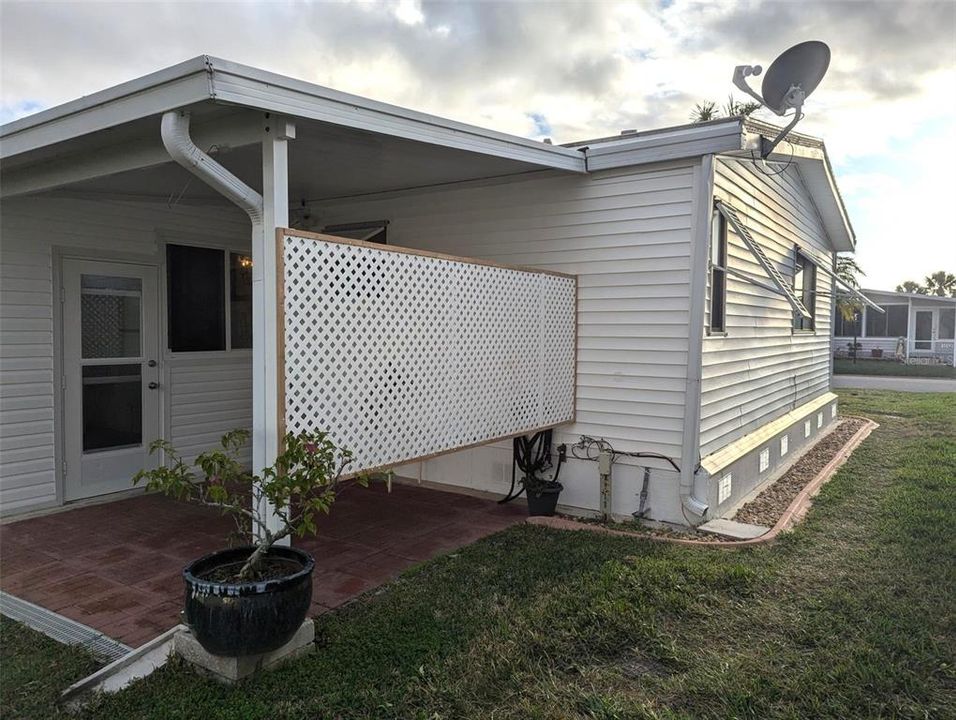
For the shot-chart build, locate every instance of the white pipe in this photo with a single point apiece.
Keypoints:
(181, 148)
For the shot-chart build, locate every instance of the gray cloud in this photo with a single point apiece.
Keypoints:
(894, 42)
(465, 57)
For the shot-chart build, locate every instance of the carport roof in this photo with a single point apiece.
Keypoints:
(206, 78)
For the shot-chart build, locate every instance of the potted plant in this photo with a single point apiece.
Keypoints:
(251, 599)
(542, 494)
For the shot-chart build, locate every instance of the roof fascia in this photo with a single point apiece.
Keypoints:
(890, 295)
(238, 84)
(811, 158)
(685, 142)
(168, 89)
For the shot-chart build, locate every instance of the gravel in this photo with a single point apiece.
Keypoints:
(770, 504)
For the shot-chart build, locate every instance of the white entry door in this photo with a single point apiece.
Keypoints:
(110, 372)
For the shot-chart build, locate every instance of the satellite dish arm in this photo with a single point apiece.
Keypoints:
(741, 73)
(767, 146)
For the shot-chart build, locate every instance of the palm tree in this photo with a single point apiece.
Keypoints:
(847, 270)
(941, 283)
(706, 111)
(737, 107)
(911, 286)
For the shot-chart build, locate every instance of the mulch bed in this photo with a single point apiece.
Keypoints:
(770, 504)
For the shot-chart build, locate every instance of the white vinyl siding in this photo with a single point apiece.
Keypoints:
(762, 368)
(209, 397)
(31, 228)
(626, 235)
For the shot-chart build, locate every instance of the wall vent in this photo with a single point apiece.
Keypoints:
(724, 487)
(764, 459)
(784, 445)
(806, 429)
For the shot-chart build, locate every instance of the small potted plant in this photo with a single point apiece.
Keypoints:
(251, 599)
(542, 494)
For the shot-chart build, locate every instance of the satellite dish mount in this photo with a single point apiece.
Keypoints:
(788, 82)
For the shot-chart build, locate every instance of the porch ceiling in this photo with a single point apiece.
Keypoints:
(325, 161)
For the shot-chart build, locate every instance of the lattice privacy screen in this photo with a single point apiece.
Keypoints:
(401, 355)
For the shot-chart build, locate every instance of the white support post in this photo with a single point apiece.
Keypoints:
(265, 360)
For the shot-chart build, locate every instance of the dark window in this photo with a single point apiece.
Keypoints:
(848, 328)
(373, 231)
(947, 324)
(892, 322)
(805, 287)
(195, 287)
(240, 301)
(718, 274)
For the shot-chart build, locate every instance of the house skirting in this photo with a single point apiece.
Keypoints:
(738, 469)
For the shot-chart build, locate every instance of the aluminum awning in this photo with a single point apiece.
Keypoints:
(780, 285)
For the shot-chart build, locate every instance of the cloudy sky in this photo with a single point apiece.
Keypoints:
(887, 108)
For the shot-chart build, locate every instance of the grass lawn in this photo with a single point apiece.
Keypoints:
(850, 616)
(842, 366)
(34, 669)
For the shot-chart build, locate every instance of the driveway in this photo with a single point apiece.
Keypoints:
(904, 384)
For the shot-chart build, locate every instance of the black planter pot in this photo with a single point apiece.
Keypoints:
(544, 500)
(237, 619)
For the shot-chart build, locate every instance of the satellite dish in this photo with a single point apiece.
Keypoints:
(789, 81)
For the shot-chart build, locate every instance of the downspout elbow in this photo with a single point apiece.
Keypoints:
(690, 495)
(181, 148)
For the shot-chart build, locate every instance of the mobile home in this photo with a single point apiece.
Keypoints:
(139, 300)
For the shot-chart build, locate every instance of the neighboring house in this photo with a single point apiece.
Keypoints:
(128, 310)
(912, 327)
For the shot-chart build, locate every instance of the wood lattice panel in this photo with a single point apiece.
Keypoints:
(402, 355)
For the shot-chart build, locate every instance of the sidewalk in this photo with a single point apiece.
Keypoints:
(904, 384)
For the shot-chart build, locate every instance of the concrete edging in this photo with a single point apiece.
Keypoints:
(794, 513)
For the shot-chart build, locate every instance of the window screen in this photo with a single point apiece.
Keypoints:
(947, 324)
(195, 287)
(848, 328)
(896, 316)
(805, 288)
(718, 274)
(892, 322)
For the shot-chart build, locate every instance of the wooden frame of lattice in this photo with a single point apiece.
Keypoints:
(403, 354)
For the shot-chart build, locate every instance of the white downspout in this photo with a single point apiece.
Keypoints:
(693, 487)
(179, 145)
(181, 148)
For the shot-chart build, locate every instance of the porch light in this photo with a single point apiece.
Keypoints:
(245, 261)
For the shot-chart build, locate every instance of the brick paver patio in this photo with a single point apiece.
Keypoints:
(116, 566)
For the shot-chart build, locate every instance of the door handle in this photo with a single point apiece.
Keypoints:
(151, 363)
(153, 385)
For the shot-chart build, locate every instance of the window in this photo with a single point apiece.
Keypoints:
(374, 231)
(198, 287)
(805, 288)
(848, 328)
(947, 324)
(240, 300)
(718, 274)
(892, 322)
